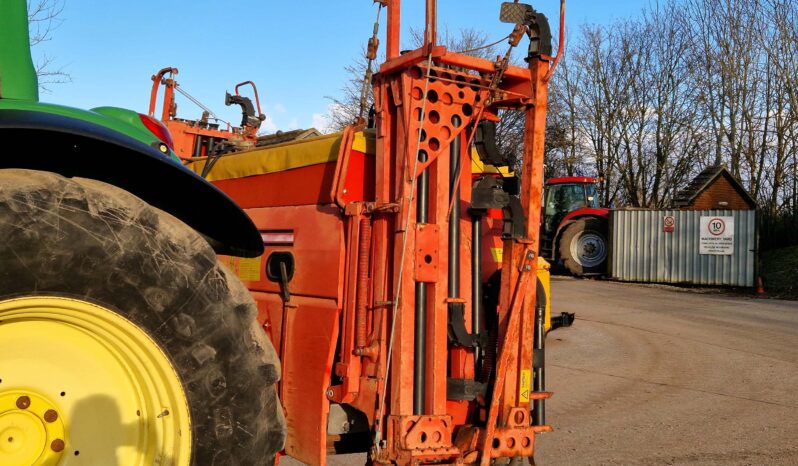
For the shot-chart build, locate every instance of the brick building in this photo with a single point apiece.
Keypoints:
(714, 188)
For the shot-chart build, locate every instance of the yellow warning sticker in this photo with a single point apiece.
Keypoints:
(246, 269)
(249, 269)
(525, 386)
(497, 254)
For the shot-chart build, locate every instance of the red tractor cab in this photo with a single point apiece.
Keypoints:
(574, 230)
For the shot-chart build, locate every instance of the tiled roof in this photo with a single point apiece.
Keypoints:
(704, 179)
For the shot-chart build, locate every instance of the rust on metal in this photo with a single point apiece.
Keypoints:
(350, 334)
(362, 284)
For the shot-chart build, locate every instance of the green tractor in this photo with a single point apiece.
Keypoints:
(123, 341)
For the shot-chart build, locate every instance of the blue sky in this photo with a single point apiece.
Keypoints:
(295, 51)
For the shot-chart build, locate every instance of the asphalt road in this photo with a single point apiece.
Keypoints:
(654, 375)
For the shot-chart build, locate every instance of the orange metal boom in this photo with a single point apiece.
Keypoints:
(199, 138)
(391, 338)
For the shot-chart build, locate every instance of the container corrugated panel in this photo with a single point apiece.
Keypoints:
(641, 250)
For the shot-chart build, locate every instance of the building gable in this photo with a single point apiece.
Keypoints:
(714, 188)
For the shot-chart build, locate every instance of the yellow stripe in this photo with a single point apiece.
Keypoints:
(281, 157)
(365, 141)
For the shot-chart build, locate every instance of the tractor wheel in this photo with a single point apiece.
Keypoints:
(122, 339)
(583, 247)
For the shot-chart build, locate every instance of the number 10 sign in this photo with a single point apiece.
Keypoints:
(716, 236)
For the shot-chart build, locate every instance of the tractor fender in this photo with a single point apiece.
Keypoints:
(586, 212)
(601, 214)
(74, 147)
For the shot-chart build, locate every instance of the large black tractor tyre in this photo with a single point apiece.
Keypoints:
(583, 247)
(91, 241)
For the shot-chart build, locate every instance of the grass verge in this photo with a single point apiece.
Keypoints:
(779, 268)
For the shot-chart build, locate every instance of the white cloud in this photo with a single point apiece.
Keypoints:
(293, 124)
(268, 126)
(321, 122)
(279, 108)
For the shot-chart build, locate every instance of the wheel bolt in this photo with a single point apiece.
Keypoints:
(23, 402)
(57, 445)
(51, 415)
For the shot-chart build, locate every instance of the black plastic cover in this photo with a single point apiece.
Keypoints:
(77, 148)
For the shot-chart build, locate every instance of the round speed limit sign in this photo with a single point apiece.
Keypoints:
(716, 226)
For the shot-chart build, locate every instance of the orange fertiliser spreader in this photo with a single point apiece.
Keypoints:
(398, 335)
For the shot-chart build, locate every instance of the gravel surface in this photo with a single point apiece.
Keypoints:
(653, 375)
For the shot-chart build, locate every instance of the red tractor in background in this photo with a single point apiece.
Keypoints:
(574, 228)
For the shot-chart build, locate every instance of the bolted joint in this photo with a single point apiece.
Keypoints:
(57, 445)
(23, 402)
(51, 416)
(519, 32)
(527, 262)
(374, 44)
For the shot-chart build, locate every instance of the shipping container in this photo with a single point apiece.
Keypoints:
(698, 247)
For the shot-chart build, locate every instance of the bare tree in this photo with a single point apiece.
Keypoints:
(780, 41)
(564, 154)
(43, 20)
(648, 102)
(345, 108)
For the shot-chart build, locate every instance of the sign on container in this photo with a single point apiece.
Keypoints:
(716, 236)
(669, 224)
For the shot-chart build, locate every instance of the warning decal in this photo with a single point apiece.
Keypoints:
(525, 386)
(249, 269)
(669, 224)
(246, 269)
(497, 254)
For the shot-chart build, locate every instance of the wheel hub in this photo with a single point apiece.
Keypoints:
(77, 379)
(31, 429)
(589, 249)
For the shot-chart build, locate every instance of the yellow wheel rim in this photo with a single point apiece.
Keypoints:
(81, 385)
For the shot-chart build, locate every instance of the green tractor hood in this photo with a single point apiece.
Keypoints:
(108, 144)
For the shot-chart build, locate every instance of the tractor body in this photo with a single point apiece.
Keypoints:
(574, 230)
(79, 143)
(118, 324)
